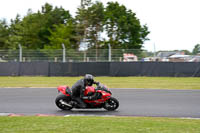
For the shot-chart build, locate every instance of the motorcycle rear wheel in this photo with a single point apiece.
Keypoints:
(111, 104)
(63, 98)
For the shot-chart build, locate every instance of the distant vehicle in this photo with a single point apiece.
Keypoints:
(147, 59)
(129, 57)
(194, 59)
(1, 60)
(179, 58)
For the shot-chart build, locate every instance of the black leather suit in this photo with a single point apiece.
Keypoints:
(78, 92)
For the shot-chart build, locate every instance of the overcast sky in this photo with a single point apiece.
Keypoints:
(174, 24)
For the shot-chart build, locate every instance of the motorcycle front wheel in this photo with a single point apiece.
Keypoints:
(111, 104)
(63, 102)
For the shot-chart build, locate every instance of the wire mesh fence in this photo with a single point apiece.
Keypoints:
(93, 55)
(72, 55)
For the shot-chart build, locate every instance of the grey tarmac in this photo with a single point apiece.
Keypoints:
(133, 102)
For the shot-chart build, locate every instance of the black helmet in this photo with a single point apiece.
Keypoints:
(88, 79)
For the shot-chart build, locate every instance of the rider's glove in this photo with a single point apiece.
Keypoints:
(100, 85)
(97, 83)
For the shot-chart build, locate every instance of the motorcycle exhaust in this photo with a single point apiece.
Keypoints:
(64, 103)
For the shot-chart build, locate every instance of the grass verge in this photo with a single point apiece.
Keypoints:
(112, 82)
(29, 124)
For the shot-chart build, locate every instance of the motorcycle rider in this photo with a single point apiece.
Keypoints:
(79, 87)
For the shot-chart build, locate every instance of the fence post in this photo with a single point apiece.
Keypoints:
(154, 51)
(64, 53)
(20, 53)
(109, 53)
(85, 56)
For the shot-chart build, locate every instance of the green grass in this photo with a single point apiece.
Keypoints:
(112, 82)
(33, 124)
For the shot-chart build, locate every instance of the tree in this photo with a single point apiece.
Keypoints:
(33, 31)
(95, 29)
(82, 22)
(49, 27)
(186, 52)
(14, 38)
(123, 28)
(51, 17)
(4, 34)
(63, 34)
(196, 49)
(96, 22)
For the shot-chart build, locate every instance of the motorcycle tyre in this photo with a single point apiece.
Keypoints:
(110, 108)
(64, 98)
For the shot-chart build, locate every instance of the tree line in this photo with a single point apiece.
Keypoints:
(95, 26)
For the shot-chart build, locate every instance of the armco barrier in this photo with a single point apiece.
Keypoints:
(33, 68)
(189, 69)
(125, 68)
(95, 68)
(164, 69)
(63, 69)
(9, 69)
(78, 69)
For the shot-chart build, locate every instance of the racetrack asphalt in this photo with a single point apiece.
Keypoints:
(133, 102)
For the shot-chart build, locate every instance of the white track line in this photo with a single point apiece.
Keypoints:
(4, 114)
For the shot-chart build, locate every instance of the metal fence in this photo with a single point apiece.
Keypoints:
(72, 55)
(93, 55)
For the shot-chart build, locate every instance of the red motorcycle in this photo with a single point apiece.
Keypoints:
(103, 98)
